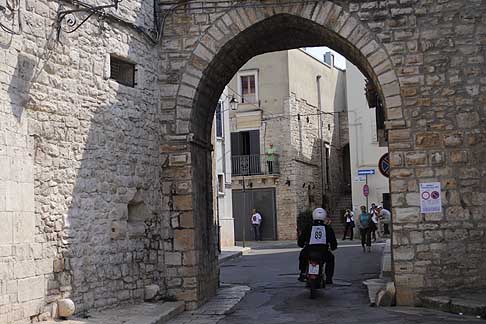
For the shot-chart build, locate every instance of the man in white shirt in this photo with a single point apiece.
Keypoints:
(385, 217)
(256, 222)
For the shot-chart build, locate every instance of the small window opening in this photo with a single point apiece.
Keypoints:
(122, 71)
(327, 155)
(248, 88)
(221, 184)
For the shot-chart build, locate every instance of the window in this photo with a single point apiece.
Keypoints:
(245, 153)
(122, 71)
(221, 184)
(245, 143)
(248, 86)
(326, 157)
(219, 120)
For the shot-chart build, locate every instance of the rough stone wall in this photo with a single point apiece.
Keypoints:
(22, 262)
(307, 158)
(344, 129)
(83, 163)
(285, 197)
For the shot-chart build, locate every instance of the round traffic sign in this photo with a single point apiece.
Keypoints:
(425, 195)
(366, 190)
(384, 165)
(435, 195)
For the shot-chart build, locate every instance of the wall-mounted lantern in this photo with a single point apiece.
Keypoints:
(233, 103)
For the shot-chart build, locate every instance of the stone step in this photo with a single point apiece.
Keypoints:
(386, 263)
(143, 313)
(465, 303)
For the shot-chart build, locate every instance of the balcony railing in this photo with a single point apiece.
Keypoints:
(246, 165)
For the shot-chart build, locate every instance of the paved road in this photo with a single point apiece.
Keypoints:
(277, 297)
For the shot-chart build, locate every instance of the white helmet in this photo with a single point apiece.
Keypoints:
(319, 214)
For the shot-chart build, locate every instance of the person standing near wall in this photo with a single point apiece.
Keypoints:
(349, 220)
(373, 225)
(384, 216)
(364, 226)
(270, 158)
(256, 222)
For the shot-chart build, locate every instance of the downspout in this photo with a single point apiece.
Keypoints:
(319, 111)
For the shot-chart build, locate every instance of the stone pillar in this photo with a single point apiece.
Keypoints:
(191, 252)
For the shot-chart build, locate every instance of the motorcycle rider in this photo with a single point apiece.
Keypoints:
(319, 217)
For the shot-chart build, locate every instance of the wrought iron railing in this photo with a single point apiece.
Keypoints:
(246, 165)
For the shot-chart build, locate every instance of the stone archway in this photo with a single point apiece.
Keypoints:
(226, 44)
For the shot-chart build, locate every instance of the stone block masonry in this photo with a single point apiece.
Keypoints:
(428, 72)
(93, 192)
(80, 190)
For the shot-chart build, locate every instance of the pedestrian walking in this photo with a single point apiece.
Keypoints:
(349, 220)
(270, 158)
(256, 222)
(364, 225)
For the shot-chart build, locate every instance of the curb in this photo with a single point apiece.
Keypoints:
(176, 309)
(386, 261)
(456, 305)
(229, 257)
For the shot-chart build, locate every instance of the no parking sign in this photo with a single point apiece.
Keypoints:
(430, 198)
(366, 190)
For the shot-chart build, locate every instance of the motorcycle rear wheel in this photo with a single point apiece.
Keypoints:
(314, 285)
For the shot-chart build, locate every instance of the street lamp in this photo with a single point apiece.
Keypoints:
(233, 103)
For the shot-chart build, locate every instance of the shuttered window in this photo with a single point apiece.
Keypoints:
(122, 71)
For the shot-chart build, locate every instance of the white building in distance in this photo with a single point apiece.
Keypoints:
(365, 148)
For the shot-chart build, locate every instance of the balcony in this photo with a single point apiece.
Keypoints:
(248, 165)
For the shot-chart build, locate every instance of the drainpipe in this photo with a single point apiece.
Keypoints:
(319, 111)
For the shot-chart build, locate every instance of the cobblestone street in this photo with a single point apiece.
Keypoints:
(276, 297)
(216, 308)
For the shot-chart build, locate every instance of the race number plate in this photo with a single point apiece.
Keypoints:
(313, 269)
(318, 235)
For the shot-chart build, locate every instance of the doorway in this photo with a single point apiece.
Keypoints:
(263, 200)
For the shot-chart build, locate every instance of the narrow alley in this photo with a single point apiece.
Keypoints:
(269, 269)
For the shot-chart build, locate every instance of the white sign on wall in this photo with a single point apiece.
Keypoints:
(430, 198)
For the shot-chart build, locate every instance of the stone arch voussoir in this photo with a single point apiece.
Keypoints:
(327, 14)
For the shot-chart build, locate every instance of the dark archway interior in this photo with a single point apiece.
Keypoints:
(280, 32)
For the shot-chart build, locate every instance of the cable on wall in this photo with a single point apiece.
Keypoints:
(10, 12)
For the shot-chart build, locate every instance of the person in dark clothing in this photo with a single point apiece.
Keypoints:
(309, 241)
(349, 220)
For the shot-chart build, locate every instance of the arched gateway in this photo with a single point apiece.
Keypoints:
(432, 117)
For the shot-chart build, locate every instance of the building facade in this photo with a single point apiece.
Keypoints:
(297, 104)
(364, 146)
(223, 207)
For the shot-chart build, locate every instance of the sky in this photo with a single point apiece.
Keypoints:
(318, 53)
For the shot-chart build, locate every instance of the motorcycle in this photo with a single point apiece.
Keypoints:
(315, 279)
